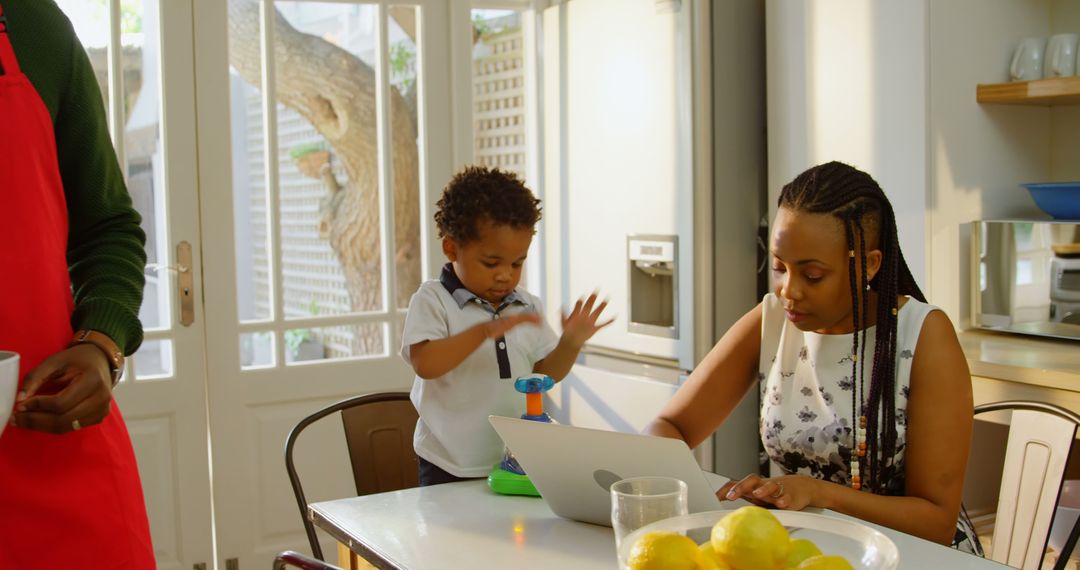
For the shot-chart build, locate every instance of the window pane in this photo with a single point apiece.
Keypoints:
(405, 153)
(498, 71)
(90, 18)
(332, 343)
(328, 158)
(256, 350)
(249, 173)
(154, 360)
(141, 103)
(398, 329)
(144, 159)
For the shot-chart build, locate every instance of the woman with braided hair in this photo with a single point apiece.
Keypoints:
(866, 404)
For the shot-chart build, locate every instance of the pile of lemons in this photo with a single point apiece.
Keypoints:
(750, 538)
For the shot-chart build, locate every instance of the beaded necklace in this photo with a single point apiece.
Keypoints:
(858, 430)
(858, 436)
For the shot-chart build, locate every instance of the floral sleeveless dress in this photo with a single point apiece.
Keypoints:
(806, 400)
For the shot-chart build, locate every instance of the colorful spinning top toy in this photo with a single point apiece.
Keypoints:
(507, 477)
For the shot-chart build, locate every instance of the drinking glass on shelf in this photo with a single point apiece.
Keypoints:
(638, 501)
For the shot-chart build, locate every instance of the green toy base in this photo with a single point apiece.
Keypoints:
(507, 483)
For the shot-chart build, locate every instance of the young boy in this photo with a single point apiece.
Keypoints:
(471, 333)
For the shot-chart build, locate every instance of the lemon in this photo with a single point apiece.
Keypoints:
(825, 562)
(710, 560)
(664, 551)
(751, 538)
(801, 549)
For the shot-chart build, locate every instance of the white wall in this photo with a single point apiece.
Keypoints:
(1065, 120)
(847, 82)
(981, 153)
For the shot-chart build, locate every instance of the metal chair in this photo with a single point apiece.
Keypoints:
(378, 432)
(302, 561)
(1040, 438)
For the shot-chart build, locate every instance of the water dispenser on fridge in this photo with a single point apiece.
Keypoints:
(653, 286)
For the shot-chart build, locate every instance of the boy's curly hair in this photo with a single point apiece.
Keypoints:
(479, 193)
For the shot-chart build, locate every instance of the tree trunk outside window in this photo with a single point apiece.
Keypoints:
(335, 91)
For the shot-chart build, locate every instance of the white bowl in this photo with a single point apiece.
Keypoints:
(862, 546)
(9, 379)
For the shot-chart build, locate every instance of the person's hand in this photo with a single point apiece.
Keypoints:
(790, 492)
(498, 327)
(581, 324)
(73, 384)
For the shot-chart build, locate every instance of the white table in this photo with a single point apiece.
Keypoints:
(466, 525)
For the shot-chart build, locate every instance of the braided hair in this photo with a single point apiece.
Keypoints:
(858, 202)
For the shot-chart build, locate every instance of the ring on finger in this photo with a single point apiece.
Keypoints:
(75, 425)
(779, 492)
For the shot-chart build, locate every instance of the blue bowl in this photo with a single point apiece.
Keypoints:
(1059, 199)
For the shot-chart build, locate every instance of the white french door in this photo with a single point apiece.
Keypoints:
(163, 392)
(286, 157)
(323, 140)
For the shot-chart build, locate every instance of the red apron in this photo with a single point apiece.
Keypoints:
(73, 500)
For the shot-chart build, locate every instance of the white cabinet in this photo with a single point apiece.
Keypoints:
(848, 81)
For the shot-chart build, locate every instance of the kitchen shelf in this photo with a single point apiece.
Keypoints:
(1045, 92)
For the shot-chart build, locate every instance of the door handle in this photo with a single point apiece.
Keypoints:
(185, 283)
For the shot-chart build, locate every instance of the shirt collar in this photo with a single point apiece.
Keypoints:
(462, 295)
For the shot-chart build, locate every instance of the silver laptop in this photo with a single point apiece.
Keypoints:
(573, 468)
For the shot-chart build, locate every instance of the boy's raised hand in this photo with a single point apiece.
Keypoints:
(581, 324)
(498, 327)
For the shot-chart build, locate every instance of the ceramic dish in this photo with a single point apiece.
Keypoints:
(862, 546)
(9, 378)
(1059, 199)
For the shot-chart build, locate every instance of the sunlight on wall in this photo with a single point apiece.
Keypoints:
(847, 81)
(841, 90)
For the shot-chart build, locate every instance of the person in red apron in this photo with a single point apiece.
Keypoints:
(70, 495)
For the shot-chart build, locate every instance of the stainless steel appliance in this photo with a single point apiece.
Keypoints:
(1026, 277)
(1065, 285)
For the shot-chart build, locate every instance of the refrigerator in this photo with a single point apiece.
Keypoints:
(653, 176)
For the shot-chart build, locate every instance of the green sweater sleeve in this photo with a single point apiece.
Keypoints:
(105, 241)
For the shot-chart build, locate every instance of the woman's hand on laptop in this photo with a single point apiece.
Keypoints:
(790, 492)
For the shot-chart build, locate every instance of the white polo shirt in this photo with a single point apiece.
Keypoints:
(453, 431)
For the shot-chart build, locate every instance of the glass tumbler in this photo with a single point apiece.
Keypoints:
(639, 501)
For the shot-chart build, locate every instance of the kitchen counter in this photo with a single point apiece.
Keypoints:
(1042, 362)
(1007, 367)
